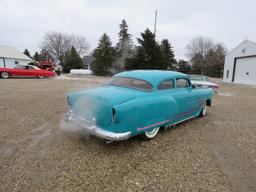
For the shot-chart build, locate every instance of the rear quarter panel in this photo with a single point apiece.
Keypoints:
(145, 113)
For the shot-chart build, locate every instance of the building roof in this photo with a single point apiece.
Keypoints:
(151, 76)
(244, 43)
(10, 52)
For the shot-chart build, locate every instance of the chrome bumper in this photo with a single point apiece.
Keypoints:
(91, 128)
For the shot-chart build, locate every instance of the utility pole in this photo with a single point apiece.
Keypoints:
(155, 22)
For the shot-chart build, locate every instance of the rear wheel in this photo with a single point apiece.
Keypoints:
(203, 110)
(151, 134)
(5, 75)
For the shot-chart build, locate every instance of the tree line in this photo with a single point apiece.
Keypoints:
(205, 56)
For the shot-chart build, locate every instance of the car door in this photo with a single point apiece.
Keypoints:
(34, 72)
(19, 70)
(185, 98)
(166, 89)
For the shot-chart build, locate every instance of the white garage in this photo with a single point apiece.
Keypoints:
(10, 57)
(240, 64)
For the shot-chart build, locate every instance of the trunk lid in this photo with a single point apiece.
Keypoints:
(96, 104)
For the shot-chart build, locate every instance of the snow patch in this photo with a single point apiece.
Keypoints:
(80, 72)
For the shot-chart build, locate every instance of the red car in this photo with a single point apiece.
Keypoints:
(25, 71)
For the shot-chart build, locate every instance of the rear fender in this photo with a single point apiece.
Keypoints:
(140, 115)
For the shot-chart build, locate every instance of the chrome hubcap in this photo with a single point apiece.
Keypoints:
(5, 75)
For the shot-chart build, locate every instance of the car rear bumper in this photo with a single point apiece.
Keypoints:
(91, 128)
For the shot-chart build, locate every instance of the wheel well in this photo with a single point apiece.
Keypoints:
(209, 102)
(5, 72)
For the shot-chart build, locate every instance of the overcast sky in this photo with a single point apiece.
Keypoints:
(24, 22)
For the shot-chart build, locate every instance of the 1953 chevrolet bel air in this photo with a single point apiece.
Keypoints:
(137, 103)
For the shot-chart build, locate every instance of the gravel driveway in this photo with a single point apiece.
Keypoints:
(215, 153)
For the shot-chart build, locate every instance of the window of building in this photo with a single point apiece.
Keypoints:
(16, 62)
(166, 84)
(227, 74)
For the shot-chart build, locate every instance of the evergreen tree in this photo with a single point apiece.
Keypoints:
(148, 54)
(43, 55)
(26, 52)
(215, 59)
(125, 41)
(123, 47)
(72, 60)
(104, 56)
(36, 56)
(184, 66)
(168, 55)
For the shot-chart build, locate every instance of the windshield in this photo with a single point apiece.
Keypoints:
(130, 83)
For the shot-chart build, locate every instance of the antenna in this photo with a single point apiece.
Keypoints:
(155, 22)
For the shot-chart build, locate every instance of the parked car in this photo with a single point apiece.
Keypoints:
(25, 71)
(137, 102)
(203, 82)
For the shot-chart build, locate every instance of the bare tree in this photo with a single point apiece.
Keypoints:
(59, 44)
(197, 51)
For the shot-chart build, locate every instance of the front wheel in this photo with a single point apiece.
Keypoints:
(5, 75)
(150, 134)
(203, 110)
(40, 77)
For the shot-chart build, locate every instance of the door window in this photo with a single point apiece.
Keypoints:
(182, 83)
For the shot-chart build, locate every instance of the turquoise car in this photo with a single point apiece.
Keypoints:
(137, 103)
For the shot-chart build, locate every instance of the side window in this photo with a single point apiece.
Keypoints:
(227, 74)
(182, 83)
(19, 67)
(166, 84)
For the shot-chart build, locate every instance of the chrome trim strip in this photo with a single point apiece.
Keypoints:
(184, 120)
(91, 128)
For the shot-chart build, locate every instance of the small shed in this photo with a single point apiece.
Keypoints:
(10, 57)
(240, 64)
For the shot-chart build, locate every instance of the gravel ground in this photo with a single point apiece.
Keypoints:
(214, 153)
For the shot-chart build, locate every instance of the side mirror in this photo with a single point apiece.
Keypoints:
(193, 86)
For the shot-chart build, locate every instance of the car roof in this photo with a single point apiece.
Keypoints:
(154, 77)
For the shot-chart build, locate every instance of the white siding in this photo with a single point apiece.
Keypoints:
(10, 63)
(1, 62)
(246, 48)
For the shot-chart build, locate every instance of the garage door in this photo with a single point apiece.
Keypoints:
(245, 70)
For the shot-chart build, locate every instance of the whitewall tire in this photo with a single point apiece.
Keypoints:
(5, 75)
(151, 134)
(203, 110)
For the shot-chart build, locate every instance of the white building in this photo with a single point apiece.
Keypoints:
(10, 57)
(240, 64)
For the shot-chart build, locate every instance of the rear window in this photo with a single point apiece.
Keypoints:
(131, 83)
(166, 84)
